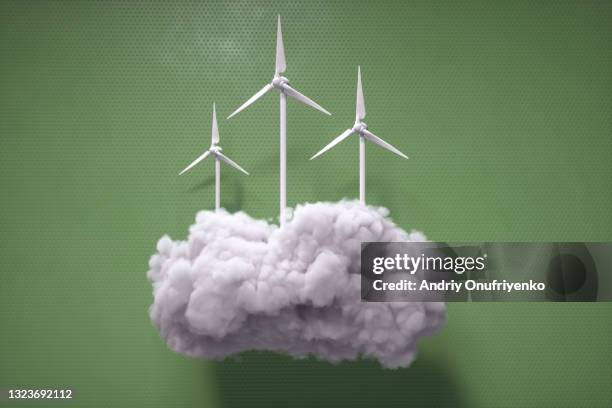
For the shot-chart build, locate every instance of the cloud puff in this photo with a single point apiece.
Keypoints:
(242, 284)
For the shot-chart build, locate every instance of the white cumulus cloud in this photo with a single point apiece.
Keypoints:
(240, 284)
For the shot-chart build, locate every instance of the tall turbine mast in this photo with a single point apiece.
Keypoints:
(360, 128)
(360, 113)
(280, 83)
(216, 151)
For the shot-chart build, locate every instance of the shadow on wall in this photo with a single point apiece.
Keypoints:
(262, 379)
(232, 192)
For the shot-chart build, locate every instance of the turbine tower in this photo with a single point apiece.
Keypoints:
(361, 129)
(216, 151)
(280, 83)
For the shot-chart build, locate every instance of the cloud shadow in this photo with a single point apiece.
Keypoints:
(263, 379)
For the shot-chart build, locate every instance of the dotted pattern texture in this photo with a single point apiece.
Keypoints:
(504, 109)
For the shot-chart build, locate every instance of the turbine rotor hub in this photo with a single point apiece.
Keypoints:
(279, 81)
(359, 127)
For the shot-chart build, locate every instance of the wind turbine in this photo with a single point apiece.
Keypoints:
(280, 83)
(361, 129)
(216, 151)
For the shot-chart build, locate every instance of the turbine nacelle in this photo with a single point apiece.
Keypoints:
(360, 127)
(279, 81)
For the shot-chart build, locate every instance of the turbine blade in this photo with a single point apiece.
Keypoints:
(215, 127)
(231, 162)
(281, 65)
(373, 138)
(360, 105)
(253, 98)
(303, 98)
(196, 161)
(334, 142)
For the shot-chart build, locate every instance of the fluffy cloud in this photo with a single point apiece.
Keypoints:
(242, 284)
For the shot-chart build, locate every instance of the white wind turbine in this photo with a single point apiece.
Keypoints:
(280, 83)
(361, 129)
(215, 150)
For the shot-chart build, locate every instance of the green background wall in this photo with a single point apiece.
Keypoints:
(504, 108)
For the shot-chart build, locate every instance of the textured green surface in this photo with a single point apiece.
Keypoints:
(504, 110)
